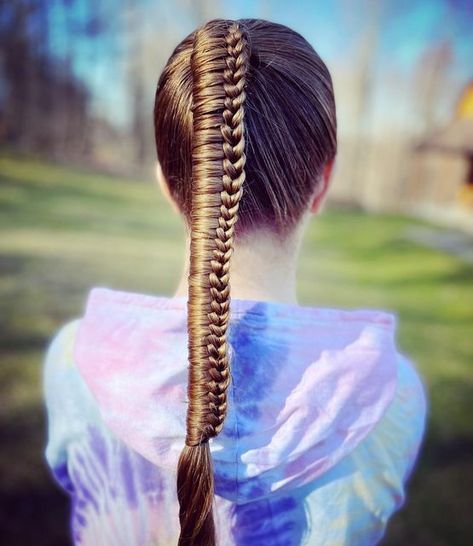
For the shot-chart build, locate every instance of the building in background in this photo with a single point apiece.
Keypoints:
(440, 184)
(428, 175)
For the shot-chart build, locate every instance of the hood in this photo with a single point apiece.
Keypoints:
(308, 384)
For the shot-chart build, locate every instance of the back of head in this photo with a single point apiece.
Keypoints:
(244, 123)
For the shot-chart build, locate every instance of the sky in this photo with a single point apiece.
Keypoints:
(392, 36)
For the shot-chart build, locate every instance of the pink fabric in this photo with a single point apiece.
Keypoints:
(308, 384)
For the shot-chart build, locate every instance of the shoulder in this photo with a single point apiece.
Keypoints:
(395, 442)
(59, 350)
(406, 419)
(370, 484)
(410, 404)
(400, 431)
(59, 365)
(62, 380)
(382, 464)
(70, 407)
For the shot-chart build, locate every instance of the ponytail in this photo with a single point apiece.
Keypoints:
(219, 62)
(200, 122)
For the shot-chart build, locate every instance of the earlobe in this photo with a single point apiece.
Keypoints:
(322, 187)
(164, 186)
(160, 178)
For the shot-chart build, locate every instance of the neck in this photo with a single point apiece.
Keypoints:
(262, 268)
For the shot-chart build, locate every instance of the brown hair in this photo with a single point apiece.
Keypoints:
(237, 98)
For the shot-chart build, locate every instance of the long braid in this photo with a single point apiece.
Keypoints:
(199, 130)
(219, 63)
(233, 179)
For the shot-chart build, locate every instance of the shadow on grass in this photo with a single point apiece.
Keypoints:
(33, 510)
(34, 516)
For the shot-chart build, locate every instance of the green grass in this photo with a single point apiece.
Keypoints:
(64, 231)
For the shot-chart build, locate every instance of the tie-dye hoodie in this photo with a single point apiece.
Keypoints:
(324, 424)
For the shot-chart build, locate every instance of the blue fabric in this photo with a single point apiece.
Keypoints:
(318, 450)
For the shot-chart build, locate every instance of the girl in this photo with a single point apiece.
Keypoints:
(194, 420)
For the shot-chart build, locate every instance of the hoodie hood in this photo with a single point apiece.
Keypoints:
(308, 384)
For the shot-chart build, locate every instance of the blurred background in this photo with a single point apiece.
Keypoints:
(79, 208)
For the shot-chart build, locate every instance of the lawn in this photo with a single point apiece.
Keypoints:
(64, 230)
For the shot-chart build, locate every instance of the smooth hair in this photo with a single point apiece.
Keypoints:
(238, 100)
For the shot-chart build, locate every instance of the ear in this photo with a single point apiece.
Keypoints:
(322, 187)
(164, 186)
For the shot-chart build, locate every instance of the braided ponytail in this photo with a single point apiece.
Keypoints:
(219, 62)
(200, 122)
